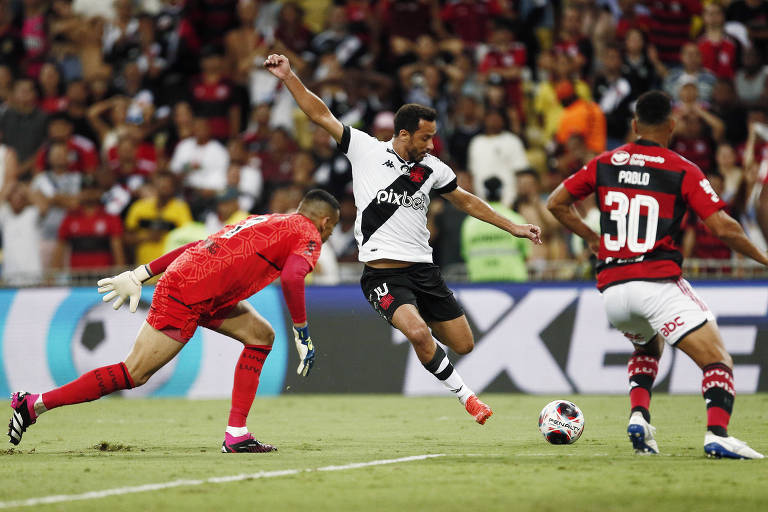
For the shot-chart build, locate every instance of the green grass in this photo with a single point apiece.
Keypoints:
(504, 465)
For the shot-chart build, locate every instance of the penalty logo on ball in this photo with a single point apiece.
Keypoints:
(561, 422)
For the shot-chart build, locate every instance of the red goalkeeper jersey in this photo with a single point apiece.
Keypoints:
(243, 258)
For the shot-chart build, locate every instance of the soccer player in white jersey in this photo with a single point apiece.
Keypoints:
(391, 182)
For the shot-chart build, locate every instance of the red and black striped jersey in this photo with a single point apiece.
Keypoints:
(643, 191)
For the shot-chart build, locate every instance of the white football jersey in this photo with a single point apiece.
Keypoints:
(392, 197)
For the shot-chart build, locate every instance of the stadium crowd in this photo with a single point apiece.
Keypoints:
(132, 127)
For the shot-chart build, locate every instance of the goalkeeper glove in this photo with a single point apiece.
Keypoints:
(124, 286)
(305, 348)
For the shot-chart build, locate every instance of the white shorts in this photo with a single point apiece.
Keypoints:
(642, 309)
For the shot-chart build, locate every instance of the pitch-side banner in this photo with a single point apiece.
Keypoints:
(541, 338)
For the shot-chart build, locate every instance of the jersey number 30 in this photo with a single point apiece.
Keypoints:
(626, 215)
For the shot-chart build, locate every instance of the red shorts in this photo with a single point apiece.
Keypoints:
(170, 315)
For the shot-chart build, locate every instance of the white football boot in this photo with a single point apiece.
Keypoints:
(641, 433)
(728, 447)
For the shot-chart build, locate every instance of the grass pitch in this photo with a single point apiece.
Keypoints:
(504, 465)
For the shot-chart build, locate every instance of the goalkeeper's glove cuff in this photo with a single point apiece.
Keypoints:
(142, 273)
(302, 332)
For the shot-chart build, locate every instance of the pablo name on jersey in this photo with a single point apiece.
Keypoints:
(417, 201)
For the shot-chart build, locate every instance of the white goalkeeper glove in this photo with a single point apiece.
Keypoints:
(124, 286)
(305, 348)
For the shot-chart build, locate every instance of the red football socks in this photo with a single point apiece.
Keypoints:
(642, 370)
(719, 393)
(246, 383)
(90, 386)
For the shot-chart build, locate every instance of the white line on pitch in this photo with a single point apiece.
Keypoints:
(59, 498)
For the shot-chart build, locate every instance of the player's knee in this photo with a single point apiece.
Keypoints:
(465, 347)
(139, 376)
(419, 335)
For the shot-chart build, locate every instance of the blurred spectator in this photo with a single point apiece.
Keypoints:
(637, 67)
(227, 211)
(753, 14)
(131, 161)
(180, 128)
(108, 120)
(9, 164)
(23, 124)
(614, 94)
(77, 108)
(276, 159)
(546, 103)
(291, 30)
(570, 157)
(213, 97)
(690, 72)
(726, 106)
(52, 99)
(406, 20)
(92, 237)
(259, 129)
(342, 240)
(336, 38)
(530, 204)
(727, 167)
(11, 44)
(285, 199)
(82, 157)
(696, 130)
(496, 152)
(244, 176)
(6, 86)
(634, 16)
(202, 162)
(21, 209)
(384, 125)
(470, 19)
(505, 60)
(751, 77)
(303, 164)
(572, 42)
(68, 32)
(670, 26)
(61, 187)
(34, 32)
(333, 172)
(467, 122)
(719, 51)
(121, 34)
(491, 254)
(150, 219)
(580, 117)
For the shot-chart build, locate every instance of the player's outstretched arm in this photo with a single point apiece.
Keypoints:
(476, 207)
(560, 203)
(292, 278)
(124, 286)
(727, 229)
(317, 111)
(127, 286)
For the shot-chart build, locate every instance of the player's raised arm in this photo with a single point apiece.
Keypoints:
(727, 229)
(560, 203)
(128, 284)
(476, 207)
(317, 111)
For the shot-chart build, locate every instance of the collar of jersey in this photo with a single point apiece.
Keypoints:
(646, 142)
(391, 149)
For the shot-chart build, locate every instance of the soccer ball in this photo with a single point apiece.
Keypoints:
(561, 422)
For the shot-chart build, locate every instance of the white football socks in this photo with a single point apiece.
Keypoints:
(442, 368)
(237, 431)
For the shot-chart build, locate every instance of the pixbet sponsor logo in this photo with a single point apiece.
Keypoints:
(417, 201)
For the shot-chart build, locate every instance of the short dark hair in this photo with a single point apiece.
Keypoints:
(317, 194)
(408, 116)
(653, 108)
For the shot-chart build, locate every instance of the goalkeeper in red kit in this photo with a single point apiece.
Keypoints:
(205, 284)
